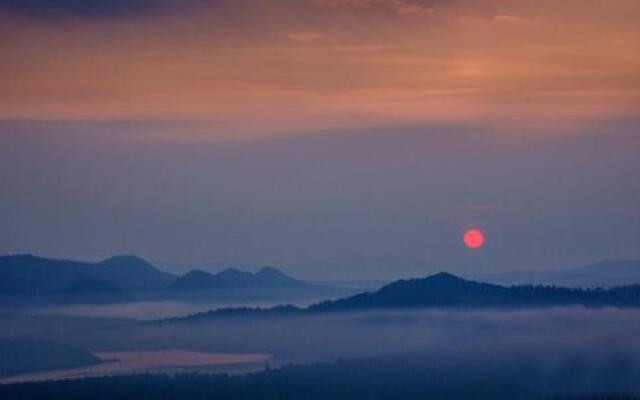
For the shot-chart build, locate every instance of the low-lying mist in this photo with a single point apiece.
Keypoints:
(594, 349)
(143, 310)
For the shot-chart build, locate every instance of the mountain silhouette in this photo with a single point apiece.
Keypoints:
(447, 290)
(231, 278)
(276, 277)
(444, 290)
(31, 280)
(32, 275)
(113, 279)
(133, 273)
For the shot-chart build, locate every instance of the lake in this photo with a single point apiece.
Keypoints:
(135, 362)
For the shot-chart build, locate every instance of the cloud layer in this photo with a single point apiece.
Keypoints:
(254, 67)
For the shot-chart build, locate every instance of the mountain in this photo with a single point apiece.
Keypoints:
(444, 290)
(275, 277)
(31, 275)
(27, 280)
(133, 273)
(27, 274)
(447, 290)
(609, 273)
(231, 278)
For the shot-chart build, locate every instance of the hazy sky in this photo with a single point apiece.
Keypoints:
(335, 138)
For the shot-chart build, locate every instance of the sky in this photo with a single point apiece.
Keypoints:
(333, 138)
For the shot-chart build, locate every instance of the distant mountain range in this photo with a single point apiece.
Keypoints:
(231, 278)
(31, 275)
(127, 278)
(444, 290)
(608, 273)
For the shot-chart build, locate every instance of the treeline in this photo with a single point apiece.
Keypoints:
(385, 378)
(446, 290)
(443, 290)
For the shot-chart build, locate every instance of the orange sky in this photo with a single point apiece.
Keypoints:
(257, 67)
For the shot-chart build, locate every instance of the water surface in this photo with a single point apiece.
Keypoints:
(127, 362)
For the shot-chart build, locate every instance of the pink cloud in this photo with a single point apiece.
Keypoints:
(400, 7)
(306, 37)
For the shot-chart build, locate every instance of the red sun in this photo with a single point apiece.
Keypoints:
(473, 238)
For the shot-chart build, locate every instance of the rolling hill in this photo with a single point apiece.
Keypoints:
(444, 290)
(447, 290)
(30, 280)
(230, 278)
(32, 275)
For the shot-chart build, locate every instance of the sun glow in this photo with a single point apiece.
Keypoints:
(473, 238)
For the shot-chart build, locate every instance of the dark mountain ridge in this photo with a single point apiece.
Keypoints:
(32, 275)
(134, 273)
(447, 290)
(444, 290)
(27, 280)
(231, 278)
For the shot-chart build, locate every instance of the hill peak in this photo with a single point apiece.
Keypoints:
(440, 279)
(125, 259)
(444, 276)
(231, 278)
(134, 272)
(196, 273)
(33, 274)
